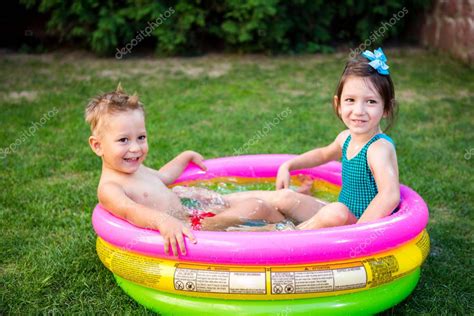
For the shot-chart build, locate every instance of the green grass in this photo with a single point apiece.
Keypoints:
(213, 105)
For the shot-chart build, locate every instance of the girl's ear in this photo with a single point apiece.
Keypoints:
(385, 111)
(96, 147)
(335, 104)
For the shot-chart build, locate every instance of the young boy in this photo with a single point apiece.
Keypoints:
(140, 194)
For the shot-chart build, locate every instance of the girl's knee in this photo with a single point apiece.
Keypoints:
(263, 210)
(340, 207)
(285, 198)
(335, 214)
(286, 194)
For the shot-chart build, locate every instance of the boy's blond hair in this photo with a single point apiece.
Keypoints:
(108, 103)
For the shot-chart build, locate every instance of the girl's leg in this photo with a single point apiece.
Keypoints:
(240, 196)
(296, 206)
(334, 214)
(271, 206)
(240, 211)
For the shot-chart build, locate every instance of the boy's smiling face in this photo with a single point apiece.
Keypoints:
(122, 142)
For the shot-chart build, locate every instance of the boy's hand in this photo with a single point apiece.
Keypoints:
(283, 178)
(197, 159)
(172, 231)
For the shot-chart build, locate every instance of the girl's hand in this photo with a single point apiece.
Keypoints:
(172, 231)
(283, 177)
(197, 159)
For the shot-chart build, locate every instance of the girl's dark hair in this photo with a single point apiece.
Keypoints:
(359, 67)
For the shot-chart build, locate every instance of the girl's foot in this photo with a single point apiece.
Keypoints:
(306, 184)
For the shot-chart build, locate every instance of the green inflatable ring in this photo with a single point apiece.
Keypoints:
(360, 303)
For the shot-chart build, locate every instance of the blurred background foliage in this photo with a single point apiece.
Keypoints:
(244, 26)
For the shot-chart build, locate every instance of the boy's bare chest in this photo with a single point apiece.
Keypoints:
(150, 191)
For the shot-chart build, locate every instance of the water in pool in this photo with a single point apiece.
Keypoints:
(204, 196)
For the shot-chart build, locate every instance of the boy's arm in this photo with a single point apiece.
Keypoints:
(311, 159)
(173, 169)
(113, 198)
(382, 160)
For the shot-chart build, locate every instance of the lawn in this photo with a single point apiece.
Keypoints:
(214, 105)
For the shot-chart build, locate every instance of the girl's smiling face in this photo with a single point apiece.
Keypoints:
(361, 108)
(124, 143)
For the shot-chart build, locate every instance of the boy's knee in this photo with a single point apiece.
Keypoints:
(259, 206)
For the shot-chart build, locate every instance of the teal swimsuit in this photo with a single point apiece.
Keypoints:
(358, 183)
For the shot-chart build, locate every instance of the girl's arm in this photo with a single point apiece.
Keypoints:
(311, 159)
(173, 169)
(382, 161)
(113, 198)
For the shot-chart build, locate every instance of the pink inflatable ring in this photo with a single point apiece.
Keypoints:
(290, 247)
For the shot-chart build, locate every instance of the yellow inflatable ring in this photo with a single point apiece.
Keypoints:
(265, 282)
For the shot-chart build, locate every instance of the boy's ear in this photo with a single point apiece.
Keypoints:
(96, 147)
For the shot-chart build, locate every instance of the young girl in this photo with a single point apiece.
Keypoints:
(370, 187)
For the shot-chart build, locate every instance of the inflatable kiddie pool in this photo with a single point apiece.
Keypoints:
(356, 269)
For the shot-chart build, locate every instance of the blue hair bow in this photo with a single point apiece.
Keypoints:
(377, 60)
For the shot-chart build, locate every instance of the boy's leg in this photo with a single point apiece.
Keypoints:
(334, 214)
(239, 212)
(208, 199)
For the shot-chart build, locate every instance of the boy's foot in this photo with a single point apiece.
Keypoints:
(196, 218)
(306, 184)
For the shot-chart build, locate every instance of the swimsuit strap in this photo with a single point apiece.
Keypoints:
(366, 146)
